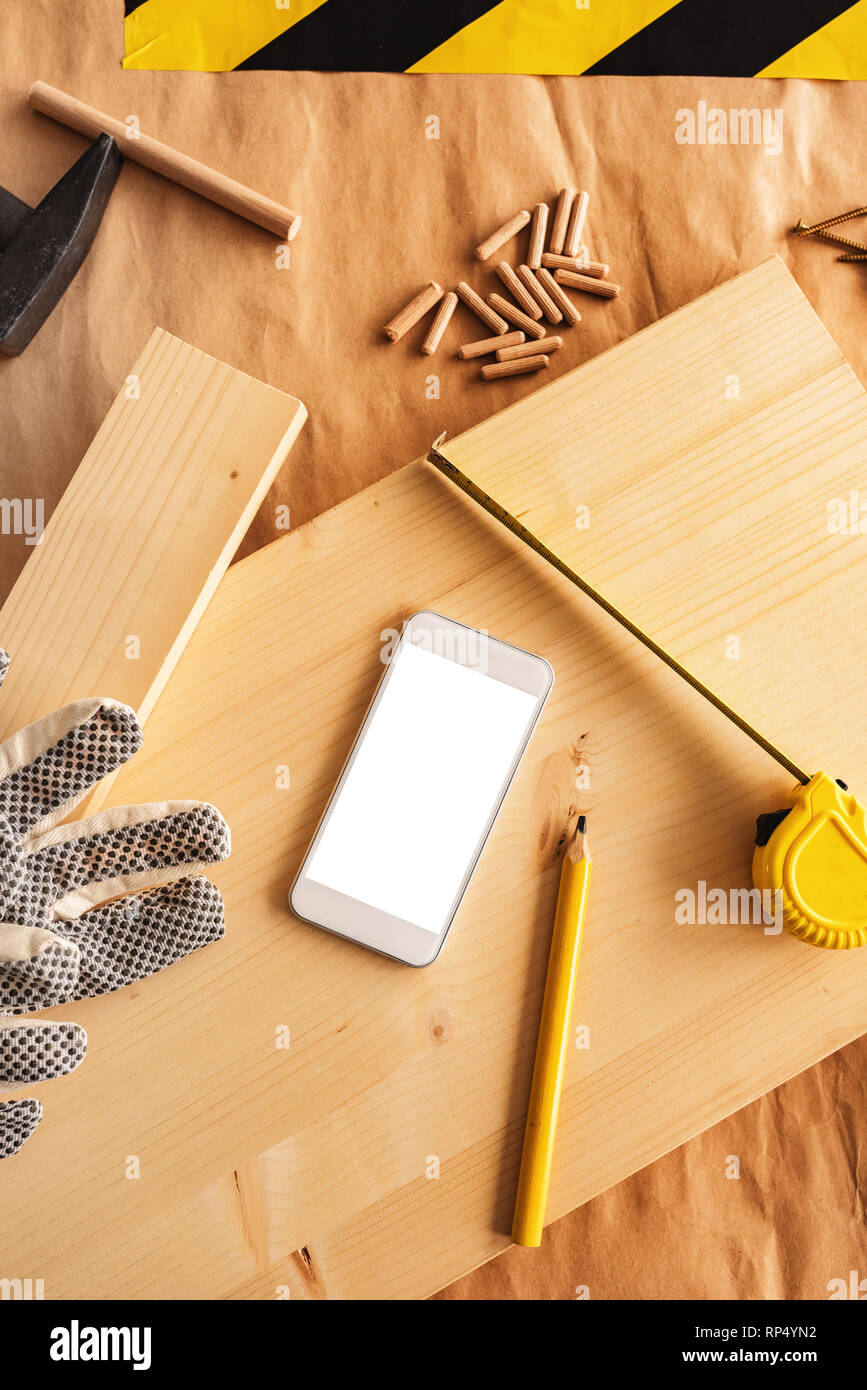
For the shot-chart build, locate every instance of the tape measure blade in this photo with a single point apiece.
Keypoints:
(499, 513)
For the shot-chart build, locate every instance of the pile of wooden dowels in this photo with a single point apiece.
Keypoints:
(522, 340)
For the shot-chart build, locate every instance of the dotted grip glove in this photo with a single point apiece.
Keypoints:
(70, 926)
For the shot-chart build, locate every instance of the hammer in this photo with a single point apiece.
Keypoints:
(42, 248)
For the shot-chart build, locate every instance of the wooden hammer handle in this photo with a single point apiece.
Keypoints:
(153, 154)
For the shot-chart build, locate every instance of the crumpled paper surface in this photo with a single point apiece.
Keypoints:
(386, 208)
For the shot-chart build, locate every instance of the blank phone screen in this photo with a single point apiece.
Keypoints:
(425, 780)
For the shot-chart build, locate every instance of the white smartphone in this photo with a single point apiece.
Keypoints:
(421, 788)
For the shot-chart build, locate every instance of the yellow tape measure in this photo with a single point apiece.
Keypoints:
(813, 850)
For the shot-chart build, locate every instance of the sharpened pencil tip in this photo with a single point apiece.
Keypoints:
(577, 847)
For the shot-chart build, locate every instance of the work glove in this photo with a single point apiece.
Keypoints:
(70, 926)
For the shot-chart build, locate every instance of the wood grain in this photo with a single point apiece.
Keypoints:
(706, 450)
(143, 534)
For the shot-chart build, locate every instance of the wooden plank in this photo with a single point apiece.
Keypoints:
(308, 1167)
(144, 532)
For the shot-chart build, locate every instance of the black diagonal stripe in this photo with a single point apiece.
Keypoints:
(708, 38)
(130, 5)
(368, 35)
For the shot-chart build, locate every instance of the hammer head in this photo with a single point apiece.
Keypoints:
(41, 248)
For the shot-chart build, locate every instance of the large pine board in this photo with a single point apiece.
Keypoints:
(707, 449)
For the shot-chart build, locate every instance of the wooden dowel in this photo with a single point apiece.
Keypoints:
(543, 299)
(515, 354)
(153, 154)
(486, 345)
(559, 295)
(576, 225)
(475, 302)
(516, 316)
(599, 269)
(440, 324)
(502, 235)
(416, 309)
(561, 220)
(493, 370)
(605, 288)
(537, 234)
(517, 291)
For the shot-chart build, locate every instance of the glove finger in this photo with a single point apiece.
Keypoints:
(4, 664)
(46, 768)
(125, 850)
(31, 1052)
(18, 1119)
(130, 940)
(38, 969)
(12, 870)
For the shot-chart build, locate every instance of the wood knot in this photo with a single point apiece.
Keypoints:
(561, 794)
(440, 1024)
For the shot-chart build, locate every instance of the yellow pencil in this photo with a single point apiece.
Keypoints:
(553, 1041)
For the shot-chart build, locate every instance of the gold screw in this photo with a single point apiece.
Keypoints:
(842, 240)
(803, 230)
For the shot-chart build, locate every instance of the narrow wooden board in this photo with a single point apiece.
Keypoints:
(144, 532)
(707, 449)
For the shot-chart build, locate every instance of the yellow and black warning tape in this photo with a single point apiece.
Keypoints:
(772, 38)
